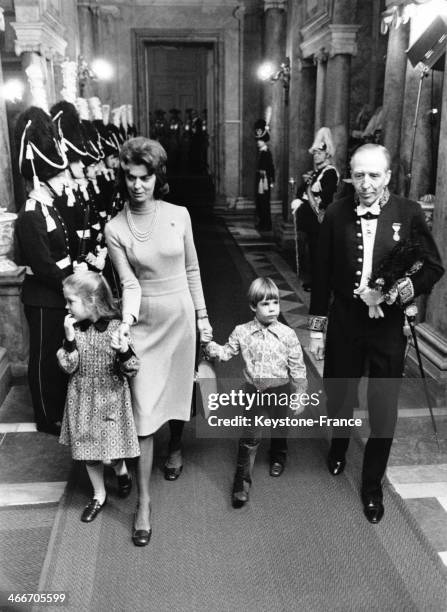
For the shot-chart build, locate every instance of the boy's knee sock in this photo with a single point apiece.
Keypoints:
(96, 475)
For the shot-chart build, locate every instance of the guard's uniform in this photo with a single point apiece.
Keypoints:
(265, 175)
(353, 339)
(43, 245)
(323, 185)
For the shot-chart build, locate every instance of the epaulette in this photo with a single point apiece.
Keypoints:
(30, 205)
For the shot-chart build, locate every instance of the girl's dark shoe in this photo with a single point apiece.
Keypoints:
(92, 509)
(124, 485)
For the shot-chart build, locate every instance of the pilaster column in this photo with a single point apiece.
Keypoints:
(6, 184)
(275, 52)
(343, 45)
(301, 113)
(421, 167)
(302, 120)
(436, 314)
(394, 94)
(39, 40)
(320, 60)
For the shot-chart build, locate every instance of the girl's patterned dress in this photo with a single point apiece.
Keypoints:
(98, 421)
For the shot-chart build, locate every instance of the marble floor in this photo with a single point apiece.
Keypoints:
(417, 467)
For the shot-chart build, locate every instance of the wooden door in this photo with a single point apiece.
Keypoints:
(176, 77)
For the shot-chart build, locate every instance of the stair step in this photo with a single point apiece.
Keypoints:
(17, 408)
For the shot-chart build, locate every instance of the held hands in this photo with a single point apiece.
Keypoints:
(205, 330)
(120, 341)
(211, 350)
(69, 322)
(123, 335)
(316, 347)
(372, 298)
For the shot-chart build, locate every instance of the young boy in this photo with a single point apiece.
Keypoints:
(274, 368)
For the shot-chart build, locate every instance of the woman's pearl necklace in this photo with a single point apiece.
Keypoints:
(138, 234)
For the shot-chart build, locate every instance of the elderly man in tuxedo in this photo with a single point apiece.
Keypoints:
(364, 334)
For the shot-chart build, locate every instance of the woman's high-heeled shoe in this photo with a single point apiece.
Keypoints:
(141, 537)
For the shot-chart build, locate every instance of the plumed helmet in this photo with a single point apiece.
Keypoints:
(66, 118)
(261, 130)
(39, 150)
(323, 142)
(114, 134)
(92, 142)
(108, 144)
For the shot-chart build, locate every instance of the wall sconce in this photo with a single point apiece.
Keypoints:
(98, 70)
(13, 90)
(267, 71)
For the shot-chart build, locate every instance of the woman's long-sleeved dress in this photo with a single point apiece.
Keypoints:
(162, 288)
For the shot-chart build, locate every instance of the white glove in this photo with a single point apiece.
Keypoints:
(375, 312)
(371, 297)
(79, 267)
(295, 204)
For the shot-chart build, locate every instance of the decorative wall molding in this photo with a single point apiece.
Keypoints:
(239, 12)
(321, 56)
(38, 37)
(110, 10)
(343, 39)
(314, 44)
(318, 15)
(333, 40)
(281, 5)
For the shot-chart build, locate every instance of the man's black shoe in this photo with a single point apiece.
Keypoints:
(335, 466)
(373, 510)
(276, 469)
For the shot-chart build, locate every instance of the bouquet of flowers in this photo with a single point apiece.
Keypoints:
(391, 277)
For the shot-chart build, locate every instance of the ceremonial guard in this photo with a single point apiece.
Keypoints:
(160, 132)
(89, 186)
(131, 127)
(175, 128)
(365, 326)
(43, 247)
(196, 141)
(313, 197)
(116, 122)
(265, 176)
(74, 209)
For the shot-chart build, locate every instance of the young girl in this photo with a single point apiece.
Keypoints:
(98, 422)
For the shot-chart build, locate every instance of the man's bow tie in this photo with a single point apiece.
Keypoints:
(368, 212)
